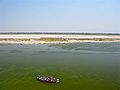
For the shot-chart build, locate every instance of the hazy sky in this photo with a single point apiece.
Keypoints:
(60, 15)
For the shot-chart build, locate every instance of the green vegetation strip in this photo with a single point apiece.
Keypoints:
(53, 39)
(35, 39)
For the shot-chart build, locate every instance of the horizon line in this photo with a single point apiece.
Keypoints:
(60, 32)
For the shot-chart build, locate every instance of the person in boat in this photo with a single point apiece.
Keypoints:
(47, 79)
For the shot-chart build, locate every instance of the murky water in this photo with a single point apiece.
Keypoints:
(80, 66)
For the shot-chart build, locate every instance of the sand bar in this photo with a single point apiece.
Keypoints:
(53, 38)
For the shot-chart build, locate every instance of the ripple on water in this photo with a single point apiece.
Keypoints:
(15, 51)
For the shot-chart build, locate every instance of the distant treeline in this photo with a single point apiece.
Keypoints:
(69, 33)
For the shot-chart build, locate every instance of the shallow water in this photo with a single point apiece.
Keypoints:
(80, 66)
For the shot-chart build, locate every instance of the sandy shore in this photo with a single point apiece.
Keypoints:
(52, 38)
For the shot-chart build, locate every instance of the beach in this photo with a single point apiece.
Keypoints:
(55, 38)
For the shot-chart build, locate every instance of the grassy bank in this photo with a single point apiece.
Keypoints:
(53, 39)
(35, 39)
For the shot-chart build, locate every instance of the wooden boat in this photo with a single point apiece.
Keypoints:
(47, 79)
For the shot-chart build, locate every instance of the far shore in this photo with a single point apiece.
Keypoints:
(53, 38)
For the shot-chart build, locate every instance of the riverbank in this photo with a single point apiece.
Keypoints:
(48, 38)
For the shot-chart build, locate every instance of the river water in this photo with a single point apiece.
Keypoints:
(79, 66)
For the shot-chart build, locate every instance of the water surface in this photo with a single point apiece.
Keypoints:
(80, 66)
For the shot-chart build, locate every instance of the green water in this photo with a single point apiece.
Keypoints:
(80, 66)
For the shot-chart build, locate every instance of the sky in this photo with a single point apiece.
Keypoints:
(88, 16)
